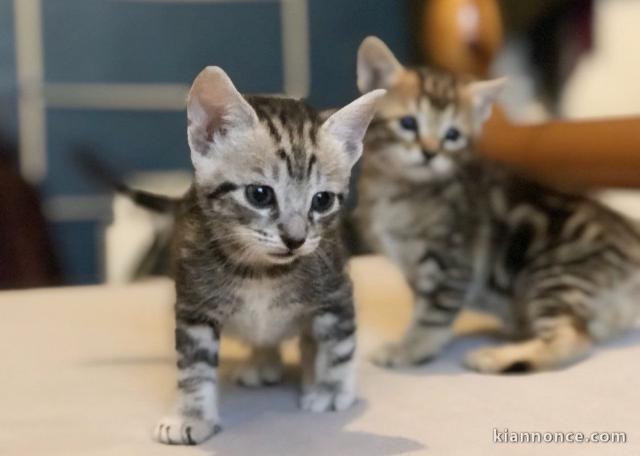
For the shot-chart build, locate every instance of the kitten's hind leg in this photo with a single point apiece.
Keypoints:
(440, 288)
(263, 368)
(430, 330)
(558, 341)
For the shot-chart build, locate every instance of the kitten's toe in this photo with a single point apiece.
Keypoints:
(253, 376)
(395, 355)
(388, 355)
(482, 360)
(248, 376)
(498, 361)
(316, 401)
(344, 400)
(271, 374)
(175, 430)
(322, 400)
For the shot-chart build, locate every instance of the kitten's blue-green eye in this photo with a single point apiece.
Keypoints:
(322, 201)
(409, 123)
(452, 134)
(260, 196)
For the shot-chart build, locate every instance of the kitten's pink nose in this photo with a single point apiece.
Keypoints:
(292, 243)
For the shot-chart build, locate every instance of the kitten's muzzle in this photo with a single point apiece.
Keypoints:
(293, 231)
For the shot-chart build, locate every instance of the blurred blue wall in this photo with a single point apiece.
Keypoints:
(158, 42)
(8, 121)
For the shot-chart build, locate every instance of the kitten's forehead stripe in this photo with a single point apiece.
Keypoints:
(266, 119)
(312, 127)
(283, 155)
(312, 161)
(287, 118)
(293, 126)
(440, 88)
(300, 161)
(285, 125)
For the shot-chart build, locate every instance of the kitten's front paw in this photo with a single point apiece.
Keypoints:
(398, 355)
(175, 430)
(252, 375)
(319, 400)
(481, 360)
(497, 360)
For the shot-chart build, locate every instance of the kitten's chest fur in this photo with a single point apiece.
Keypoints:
(264, 314)
(402, 220)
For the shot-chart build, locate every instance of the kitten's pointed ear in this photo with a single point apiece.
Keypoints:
(214, 107)
(483, 94)
(377, 66)
(348, 125)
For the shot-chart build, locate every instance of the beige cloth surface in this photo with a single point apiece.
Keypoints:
(87, 371)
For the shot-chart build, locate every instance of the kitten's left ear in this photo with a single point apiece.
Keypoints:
(483, 94)
(348, 125)
(215, 107)
(378, 68)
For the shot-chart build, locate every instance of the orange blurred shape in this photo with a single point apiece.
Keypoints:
(462, 36)
(568, 154)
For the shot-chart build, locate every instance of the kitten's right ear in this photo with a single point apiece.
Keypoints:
(378, 68)
(483, 95)
(214, 107)
(348, 125)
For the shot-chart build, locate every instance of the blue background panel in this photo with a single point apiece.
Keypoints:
(77, 249)
(120, 41)
(8, 86)
(131, 140)
(337, 27)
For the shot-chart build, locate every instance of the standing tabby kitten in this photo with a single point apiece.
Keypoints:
(562, 270)
(257, 249)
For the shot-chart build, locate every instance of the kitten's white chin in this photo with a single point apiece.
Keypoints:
(437, 169)
(283, 258)
(441, 166)
(280, 259)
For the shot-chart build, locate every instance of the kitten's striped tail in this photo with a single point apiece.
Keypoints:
(102, 173)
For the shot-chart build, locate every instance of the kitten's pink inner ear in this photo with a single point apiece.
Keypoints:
(214, 104)
(484, 94)
(377, 68)
(207, 120)
(349, 124)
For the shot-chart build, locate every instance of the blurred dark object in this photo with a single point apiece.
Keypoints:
(558, 37)
(26, 254)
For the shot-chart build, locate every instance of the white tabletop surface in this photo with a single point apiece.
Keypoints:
(87, 371)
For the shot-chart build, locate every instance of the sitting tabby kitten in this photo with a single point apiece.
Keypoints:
(257, 250)
(561, 269)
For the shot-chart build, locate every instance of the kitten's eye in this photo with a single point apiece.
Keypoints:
(322, 201)
(260, 196)
(409, 123)
(452, 134)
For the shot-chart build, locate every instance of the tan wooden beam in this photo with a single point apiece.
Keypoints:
(585, 153)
